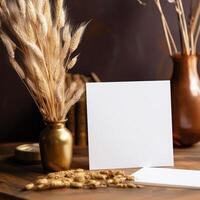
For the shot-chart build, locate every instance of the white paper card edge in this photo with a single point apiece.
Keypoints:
(168, 177)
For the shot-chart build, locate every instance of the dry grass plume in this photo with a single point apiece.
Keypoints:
(40, 44)
(189, 26)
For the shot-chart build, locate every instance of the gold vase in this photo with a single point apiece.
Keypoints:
(185, 89)
(56, 147)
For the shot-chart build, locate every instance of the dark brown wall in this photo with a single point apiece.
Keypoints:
(123, 42)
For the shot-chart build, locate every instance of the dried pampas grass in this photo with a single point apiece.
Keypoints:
(189, 27)
(40, 46)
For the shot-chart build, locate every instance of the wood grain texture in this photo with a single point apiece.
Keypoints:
(13, 176)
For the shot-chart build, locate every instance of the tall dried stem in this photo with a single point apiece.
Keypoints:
(170, 41)
(189, 33)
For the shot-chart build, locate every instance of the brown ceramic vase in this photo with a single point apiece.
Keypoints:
(185, 90)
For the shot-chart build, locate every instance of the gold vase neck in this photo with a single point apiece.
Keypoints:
(59, 124)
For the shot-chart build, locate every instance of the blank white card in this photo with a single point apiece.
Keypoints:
(129, 124)
(180, 178)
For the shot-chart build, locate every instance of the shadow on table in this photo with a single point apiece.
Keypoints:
(4, 196)
(11, 166)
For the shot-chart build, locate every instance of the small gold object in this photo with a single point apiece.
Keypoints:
(28, 153)
(29, 186)
(76, 185)
(56, 147)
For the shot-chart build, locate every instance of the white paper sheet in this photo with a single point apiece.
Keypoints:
(129, 124)
(168, 177)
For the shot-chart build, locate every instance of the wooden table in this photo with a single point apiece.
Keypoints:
(13, 176)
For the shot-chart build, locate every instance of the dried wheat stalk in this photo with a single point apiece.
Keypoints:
(189, 32)
(40, 49)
